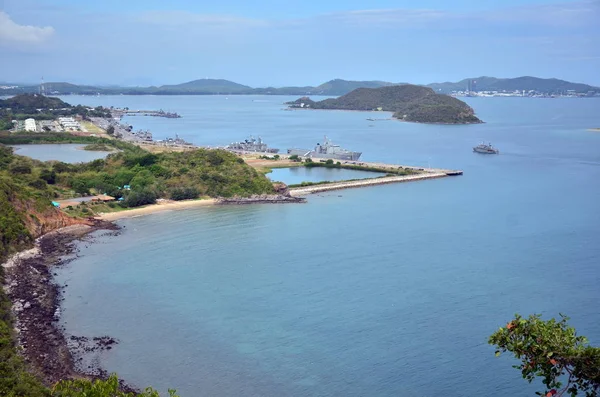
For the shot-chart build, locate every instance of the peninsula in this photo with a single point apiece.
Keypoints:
(408, 102)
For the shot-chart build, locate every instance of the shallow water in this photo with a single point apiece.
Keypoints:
(389, 290)
(297, 175)
(67, 153)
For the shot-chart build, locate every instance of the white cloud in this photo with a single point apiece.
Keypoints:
(13, 33)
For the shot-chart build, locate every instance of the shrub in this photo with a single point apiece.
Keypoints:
(140, 197)
(185, 193)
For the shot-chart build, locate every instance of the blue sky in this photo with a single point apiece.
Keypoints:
(268, 42)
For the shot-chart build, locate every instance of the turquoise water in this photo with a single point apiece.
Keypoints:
(389, 290)
(68, 153)
(296, 175)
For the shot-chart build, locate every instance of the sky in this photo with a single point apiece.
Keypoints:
(295, 43)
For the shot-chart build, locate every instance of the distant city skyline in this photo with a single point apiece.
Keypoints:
(271, 43)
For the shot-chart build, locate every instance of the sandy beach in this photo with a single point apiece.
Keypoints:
(158, 207)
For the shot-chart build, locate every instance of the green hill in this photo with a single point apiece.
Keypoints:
(408, 102)
(29, 103)
(205, 86)
(527, 83)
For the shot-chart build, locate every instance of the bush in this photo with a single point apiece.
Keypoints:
(139, 198)
(49, 176)
(38, 184)
(185, 193)
(20, 168)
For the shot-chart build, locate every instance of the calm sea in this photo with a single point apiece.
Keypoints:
(386, 291)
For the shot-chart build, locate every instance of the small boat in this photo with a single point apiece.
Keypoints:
(369, 119)
(485, 149)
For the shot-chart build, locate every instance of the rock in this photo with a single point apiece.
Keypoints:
(27, 305)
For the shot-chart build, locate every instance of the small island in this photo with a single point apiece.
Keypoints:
(408, 102)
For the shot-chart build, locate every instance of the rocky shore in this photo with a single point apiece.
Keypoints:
(261, 199)
(36, 308)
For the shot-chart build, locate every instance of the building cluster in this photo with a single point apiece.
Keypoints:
(525, 93)
(69, 124)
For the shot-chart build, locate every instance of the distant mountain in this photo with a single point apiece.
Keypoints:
(408, 102)
(527, 83)
(334, 87)
(204, 86)
(341, 87)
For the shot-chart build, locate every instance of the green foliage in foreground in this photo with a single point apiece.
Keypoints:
(552, 351)
(99, 388)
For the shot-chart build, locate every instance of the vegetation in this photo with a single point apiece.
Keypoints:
(99, 388)
(408, 102)
(552, 351)
(99, 147)
(41, 107)
(275, 157)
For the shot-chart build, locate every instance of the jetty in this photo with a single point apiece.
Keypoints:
(302, 191)
(118, 113)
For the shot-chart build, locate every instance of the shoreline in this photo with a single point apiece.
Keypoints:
(36, 299)
(155, 208)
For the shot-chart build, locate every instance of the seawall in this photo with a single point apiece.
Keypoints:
(299, 191)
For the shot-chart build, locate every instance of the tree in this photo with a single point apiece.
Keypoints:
(294, 157)
(552, 351)
(110, 130)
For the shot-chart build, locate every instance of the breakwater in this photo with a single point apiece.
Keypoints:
(300, 191)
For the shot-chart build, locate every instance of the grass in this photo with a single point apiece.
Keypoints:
(90, 127)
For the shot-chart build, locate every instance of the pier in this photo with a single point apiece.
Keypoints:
(118, 113)
(301, 191)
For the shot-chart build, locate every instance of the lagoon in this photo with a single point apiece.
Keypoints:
(297, 175)
(67, 153)
(389, 290)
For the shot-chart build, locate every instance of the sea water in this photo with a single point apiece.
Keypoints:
(389, 290)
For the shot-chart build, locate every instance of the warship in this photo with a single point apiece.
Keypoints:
(485, 149)
(327, 150)
(252, 145)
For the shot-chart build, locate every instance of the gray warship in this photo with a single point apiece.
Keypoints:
(327, 150)
(485, 149)
(252, 145)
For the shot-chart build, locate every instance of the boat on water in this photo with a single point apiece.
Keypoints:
(485, 149)
(326, 150)
(252, 145)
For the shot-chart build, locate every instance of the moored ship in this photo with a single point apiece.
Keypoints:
(252, 145)
(485, 149)
(327, 150)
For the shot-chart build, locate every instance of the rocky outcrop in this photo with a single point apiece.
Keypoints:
(262, 199)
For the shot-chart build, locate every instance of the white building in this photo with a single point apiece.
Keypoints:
(30, 125)
(69, 123)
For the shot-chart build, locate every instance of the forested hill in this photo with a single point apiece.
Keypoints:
(30, 103)
(408, 102)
